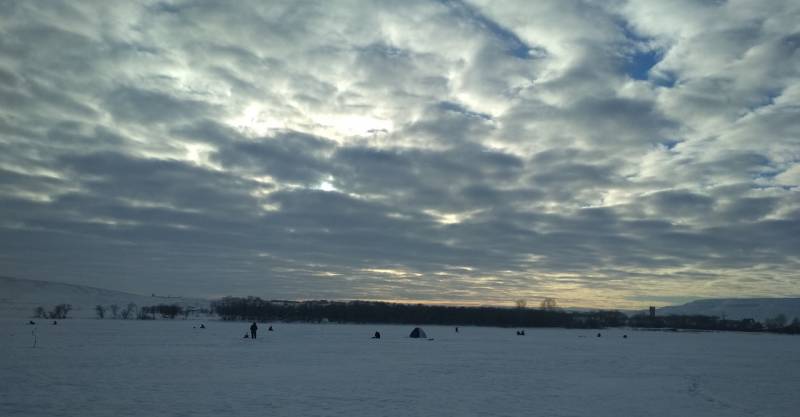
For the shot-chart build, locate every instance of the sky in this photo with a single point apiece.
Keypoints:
(604, 153)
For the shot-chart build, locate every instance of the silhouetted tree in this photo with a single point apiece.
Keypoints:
(168, 310)
(60, 311)
(147, 313)
(521, 303)
(114, 310)
(549, 303)
(164, 310)
(128, 311)
(39, 312)
(776, 323)
(793, 327)
(100, 310)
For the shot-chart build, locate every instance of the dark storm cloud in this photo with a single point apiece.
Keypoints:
(428, 179)
(290, 156)
(439, 150)
(749, 209)
(175, 183)
(131, 104)
(681, 203)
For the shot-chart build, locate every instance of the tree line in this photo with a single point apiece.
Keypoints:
(164, 311)
(257, 309)
(129, 311)
(59, 311)
(117, 312)
(548, 315)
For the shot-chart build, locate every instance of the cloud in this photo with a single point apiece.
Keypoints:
(134, 105)
(469, 151)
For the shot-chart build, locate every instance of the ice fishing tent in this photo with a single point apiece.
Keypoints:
(418, 333)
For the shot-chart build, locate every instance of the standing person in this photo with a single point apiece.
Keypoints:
(253, 330)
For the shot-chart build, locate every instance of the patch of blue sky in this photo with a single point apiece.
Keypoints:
(639, 65)
(458, 108)
(643, 58)
(514, 45)
(767, 174)
(767, 99)
(670, 143)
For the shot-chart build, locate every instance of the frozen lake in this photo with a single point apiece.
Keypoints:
(167, 368)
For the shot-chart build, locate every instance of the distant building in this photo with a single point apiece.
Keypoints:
(652, 312)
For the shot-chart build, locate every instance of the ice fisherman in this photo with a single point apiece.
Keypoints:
(253, 330)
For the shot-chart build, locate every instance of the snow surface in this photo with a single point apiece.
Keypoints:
(19, 297)
(169, 368)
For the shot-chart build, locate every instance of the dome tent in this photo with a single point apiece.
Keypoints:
(418, 333)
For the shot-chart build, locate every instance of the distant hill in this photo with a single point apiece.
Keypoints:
(19, 297)
(738, 308)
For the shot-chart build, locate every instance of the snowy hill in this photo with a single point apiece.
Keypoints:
(738, 308)
(19, 297)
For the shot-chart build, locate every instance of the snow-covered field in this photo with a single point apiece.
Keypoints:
(759, 309)
(168, 368)
(19, 297)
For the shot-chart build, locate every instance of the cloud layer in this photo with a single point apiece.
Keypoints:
(604, 153)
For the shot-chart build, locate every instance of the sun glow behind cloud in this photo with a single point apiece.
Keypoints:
(255, 121)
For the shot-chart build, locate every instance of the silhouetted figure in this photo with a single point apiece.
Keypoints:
(456, 329)
(202, 326)
(54, 322)
(270, 329)
(246, 336)
(377, 335)
(599, 335)
(31, 322)
(625, 336)
(253, 330)
(520, 332)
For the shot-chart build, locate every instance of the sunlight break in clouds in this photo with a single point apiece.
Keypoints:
(603, 153)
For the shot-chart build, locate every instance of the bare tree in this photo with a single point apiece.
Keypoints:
(39, 313)
(114, 310)
(549, 303)
(60, 311)
(129, 311)
(777, 322)
(100, 310)
(521, 303)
